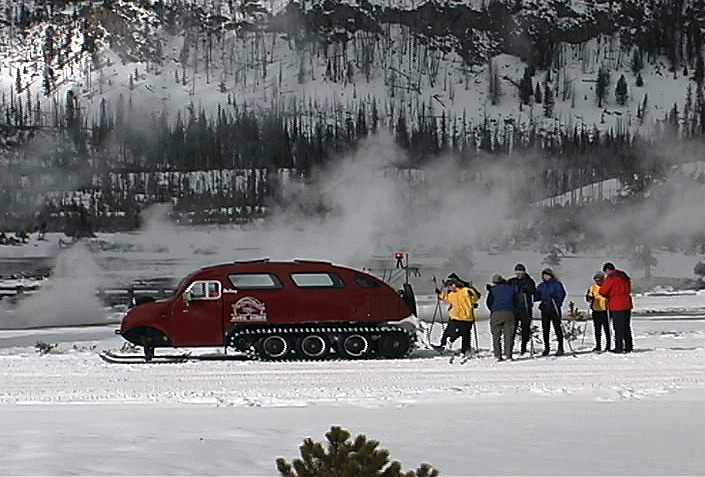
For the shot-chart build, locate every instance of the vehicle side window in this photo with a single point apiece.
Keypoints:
(365, 282)
(255, 281)
(204, 290)
(317, 280)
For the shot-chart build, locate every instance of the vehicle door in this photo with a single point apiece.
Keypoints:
(371, 293)
(197, 315)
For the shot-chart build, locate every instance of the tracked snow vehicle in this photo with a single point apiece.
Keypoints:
(300, 309)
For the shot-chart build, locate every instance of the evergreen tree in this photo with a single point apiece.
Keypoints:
(345, 458)
(361, 124)
(69, 111)
(601, 85)
(620, 92)
(402, 133)
(525, 89)
(639, 80)
(673, 115)
(699, 72)
(537, 93)
(548, 101)
(637, 61)
(495, 90)
(643, 109)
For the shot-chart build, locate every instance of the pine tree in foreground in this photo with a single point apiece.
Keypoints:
(344, 458)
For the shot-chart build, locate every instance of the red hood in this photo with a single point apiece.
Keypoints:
(144, 314)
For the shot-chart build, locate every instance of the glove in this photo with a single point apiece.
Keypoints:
(488, 287)
(438, 291)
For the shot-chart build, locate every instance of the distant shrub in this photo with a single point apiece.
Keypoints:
(344, 458)
(45, 348)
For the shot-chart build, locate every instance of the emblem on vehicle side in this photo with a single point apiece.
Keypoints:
(247, 310)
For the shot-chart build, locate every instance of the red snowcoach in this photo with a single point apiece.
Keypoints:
(279, 310)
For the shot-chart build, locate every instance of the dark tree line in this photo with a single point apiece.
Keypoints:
(237, 137)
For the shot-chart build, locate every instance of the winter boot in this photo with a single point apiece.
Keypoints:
(439, 348)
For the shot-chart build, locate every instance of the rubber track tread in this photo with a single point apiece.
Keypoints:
(290, 331)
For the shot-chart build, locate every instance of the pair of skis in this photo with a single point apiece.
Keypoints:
(134, 358)
(113, 357)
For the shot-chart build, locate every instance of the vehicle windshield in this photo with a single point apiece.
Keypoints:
(182, 285)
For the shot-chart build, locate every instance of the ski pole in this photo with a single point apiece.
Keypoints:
(526, 310)
(558, 315)
(477, 345)
(435, 311)
(438, 310)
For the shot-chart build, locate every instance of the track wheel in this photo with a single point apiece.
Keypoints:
(273, 347)
(313, 346)
(241, 342)
(355, 346)
(394, 345)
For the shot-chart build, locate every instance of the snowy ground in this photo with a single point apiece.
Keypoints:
(68, 412)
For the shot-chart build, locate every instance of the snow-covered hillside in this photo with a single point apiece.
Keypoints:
(158, 68)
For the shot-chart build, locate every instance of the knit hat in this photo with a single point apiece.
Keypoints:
(548, 271)
(519, 267)
(598, 275)
(497, 278)
(460, 281)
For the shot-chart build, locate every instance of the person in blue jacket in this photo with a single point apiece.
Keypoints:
(550, 294)
(502, 301)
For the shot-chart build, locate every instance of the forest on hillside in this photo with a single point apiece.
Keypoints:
(250, 145)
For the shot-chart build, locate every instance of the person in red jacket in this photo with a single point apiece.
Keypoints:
(617, 288)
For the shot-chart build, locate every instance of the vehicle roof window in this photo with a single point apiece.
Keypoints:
(255, 281)
(365, 282)
(317, 280)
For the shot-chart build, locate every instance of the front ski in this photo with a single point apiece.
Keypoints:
(114, 358)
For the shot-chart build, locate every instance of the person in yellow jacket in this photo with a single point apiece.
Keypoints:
(462, 314)
(599, 306)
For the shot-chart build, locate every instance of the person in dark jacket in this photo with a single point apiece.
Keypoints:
(502, 302)
(526, 288)
(550, 294)
(617, 288)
